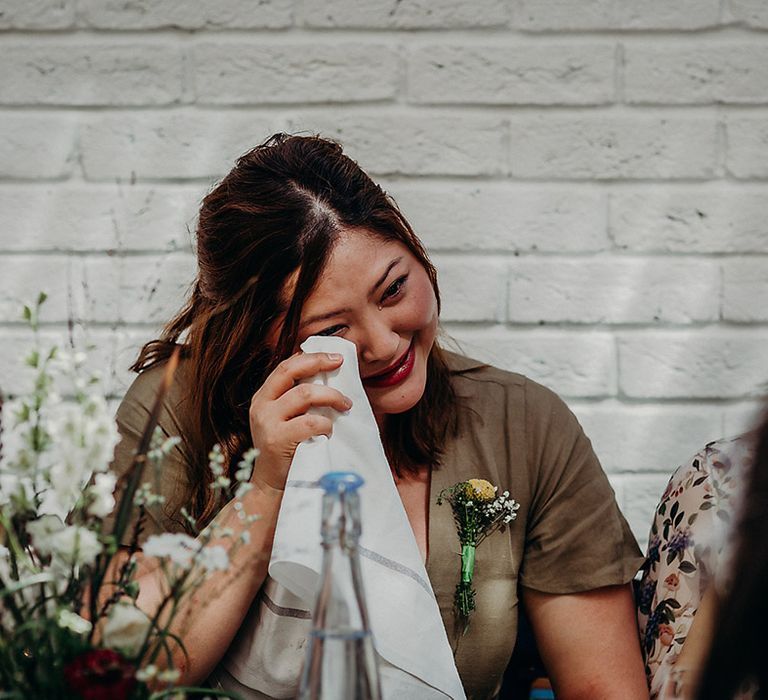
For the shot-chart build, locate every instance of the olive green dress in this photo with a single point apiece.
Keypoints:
(569, 535)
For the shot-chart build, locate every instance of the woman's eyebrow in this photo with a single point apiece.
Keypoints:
(323, 317)
(381, 279)
(337, 312)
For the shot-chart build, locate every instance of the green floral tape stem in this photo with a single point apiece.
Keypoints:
(467, 562)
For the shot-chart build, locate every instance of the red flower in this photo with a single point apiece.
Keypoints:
(672, 581)
(101, 674)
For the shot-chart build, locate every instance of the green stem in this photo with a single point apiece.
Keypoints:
(467, 562)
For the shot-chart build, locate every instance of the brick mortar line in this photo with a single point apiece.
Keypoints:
(734, 28)
(504, 185)
(487, 328)
(369, 108)
(447, 254)
(479, 38)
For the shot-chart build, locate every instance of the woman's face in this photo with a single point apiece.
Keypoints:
(375, 293)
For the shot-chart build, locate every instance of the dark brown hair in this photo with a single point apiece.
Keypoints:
(738, 655)
(279, 211)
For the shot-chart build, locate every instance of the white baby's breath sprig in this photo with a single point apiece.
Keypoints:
(216, 463)
(244, 472)
(146, 497)
(161, 446)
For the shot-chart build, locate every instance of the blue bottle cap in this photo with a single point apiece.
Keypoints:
(337, 482)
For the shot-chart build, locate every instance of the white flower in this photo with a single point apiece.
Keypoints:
(183, 551)
(12, 485)
(72, 621)
(5, 563)
(126, 628)
(213, 558)
(74, 546)
(85, 434)
(101, 492)
(177, 547)
(144, 496)
(147, 673)
(82, 442)
(42, 531)
(243, 488)
(170, 675)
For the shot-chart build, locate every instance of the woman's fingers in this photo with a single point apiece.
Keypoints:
(302, 397)
(307, 426)
(297, 367)
(270, 419)
(279, 415)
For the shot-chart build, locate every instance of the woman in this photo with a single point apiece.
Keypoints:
(297, 241)
(734, 666)
(703, 585)
(687, 562)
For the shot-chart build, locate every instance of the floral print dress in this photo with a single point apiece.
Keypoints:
(687, 550)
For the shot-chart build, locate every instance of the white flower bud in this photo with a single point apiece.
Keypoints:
(126, 628)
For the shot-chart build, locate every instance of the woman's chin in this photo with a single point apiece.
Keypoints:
(395, 400)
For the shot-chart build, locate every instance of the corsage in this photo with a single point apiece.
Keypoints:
(478, 512)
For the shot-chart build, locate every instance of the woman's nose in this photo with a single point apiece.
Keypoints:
(377, 342)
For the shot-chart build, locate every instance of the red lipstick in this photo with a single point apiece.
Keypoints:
(396, 373)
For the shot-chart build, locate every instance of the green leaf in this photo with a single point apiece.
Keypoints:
(33, 580)
(687, 567)
(27, 313)
(33, 359)
(41, 298)
(23, 413)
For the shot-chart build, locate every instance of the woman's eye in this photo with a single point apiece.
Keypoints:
(332, 330)
(395, 288)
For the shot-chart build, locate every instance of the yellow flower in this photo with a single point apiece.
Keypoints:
(480, 489)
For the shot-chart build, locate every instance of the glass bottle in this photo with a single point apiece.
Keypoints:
(341, 660)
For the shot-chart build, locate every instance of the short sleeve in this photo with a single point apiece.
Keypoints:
(576, 539)
(170, 479)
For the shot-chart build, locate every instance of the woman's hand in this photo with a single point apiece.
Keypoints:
(278, 413)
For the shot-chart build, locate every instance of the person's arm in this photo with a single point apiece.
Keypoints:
(579, 561)
(210, 616)
(589, 643)
(682, 678)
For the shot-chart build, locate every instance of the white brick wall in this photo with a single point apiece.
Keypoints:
(592, 178)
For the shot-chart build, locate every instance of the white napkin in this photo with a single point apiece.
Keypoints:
(415, 657)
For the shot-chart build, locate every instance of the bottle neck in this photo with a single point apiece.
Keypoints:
(341, 520)
(341, 603)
